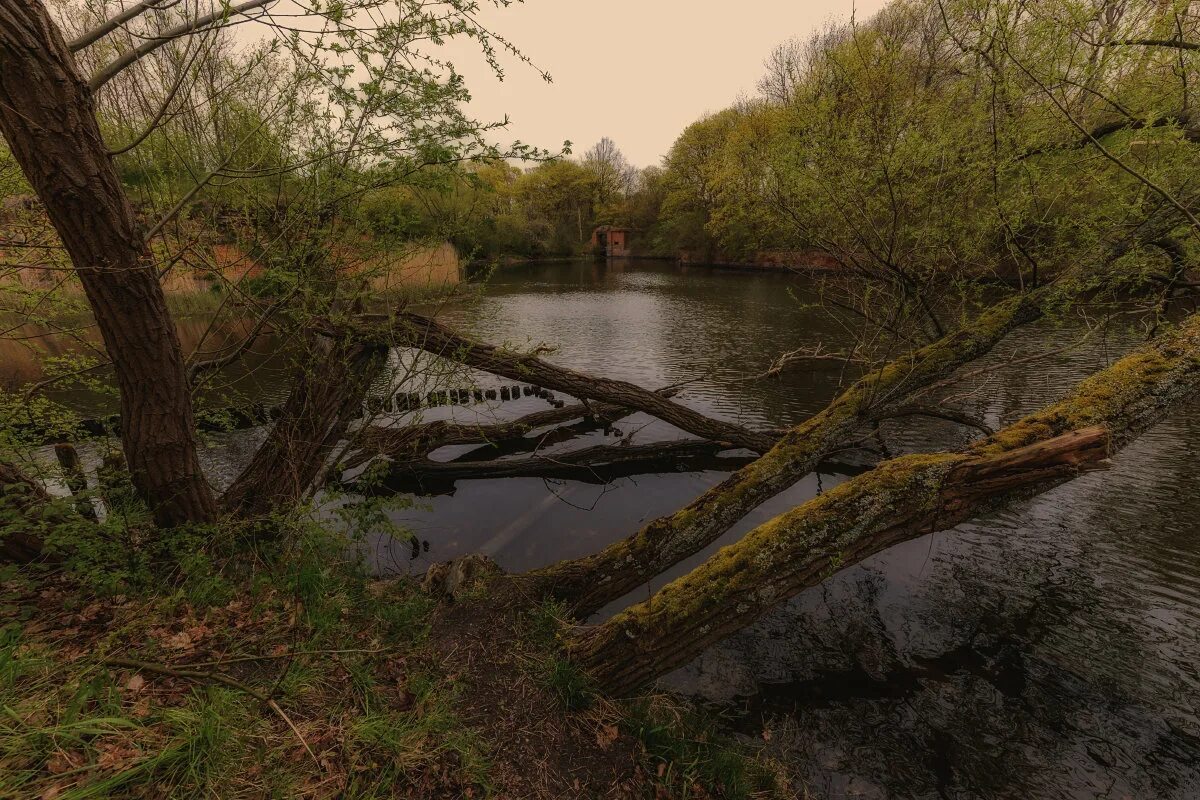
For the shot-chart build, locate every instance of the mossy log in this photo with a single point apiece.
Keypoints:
(901, 499)
(587, 584)
(414, 330)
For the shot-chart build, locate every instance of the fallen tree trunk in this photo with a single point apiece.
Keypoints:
(323, 400)
(899, 500)
(587, 584)
(412, 441)
(414, 330)
(588, 464)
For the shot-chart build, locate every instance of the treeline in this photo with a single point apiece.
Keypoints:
(497, 209)
(940, 140)
(951, 139)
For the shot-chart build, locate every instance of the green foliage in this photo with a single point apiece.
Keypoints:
(273, 283)
(941, 144)
(394, 215)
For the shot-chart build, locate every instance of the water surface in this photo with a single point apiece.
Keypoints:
(1050, 651)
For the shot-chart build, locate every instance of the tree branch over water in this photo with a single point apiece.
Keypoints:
(898, 500)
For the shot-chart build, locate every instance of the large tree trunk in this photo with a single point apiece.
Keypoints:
(414, 330)
(324, 398)
(47, 117)
(899, 500)
(589, 583)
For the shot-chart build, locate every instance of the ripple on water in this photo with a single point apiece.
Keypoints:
(1050, 651)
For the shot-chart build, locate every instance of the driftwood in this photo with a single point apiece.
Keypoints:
(901, 499)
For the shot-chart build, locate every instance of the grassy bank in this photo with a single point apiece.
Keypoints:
(293, 675)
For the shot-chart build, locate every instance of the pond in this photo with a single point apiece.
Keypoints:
(1050, 651)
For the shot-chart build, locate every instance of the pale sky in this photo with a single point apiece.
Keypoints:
(637, 71)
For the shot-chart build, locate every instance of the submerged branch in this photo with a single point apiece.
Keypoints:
(413, 330)
(599, 463)
(411, 441)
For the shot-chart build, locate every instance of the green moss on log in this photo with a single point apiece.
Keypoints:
(901, 499)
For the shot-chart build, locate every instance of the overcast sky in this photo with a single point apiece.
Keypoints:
(638, 71)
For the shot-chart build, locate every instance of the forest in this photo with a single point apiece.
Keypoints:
(240, 289)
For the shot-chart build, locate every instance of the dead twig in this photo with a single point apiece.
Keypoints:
(215, 677)
(810, 357)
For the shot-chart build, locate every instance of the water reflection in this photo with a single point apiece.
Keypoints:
(1046, 652)
(1050, 651)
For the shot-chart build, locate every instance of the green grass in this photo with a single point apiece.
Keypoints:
(688, 748)
(543, 624)
(389, 746)
(209, 741)
(61, 719)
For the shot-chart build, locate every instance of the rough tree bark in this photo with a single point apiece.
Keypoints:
(48, 120)
(414, 330)
(324, 398)
(588, 583)
(899, 500)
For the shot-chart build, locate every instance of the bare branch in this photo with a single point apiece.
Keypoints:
(198, 368)
(108, 26)
(949, 414)
(1175, 44)
(218, 17)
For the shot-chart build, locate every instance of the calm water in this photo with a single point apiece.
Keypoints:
(1051, 651)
